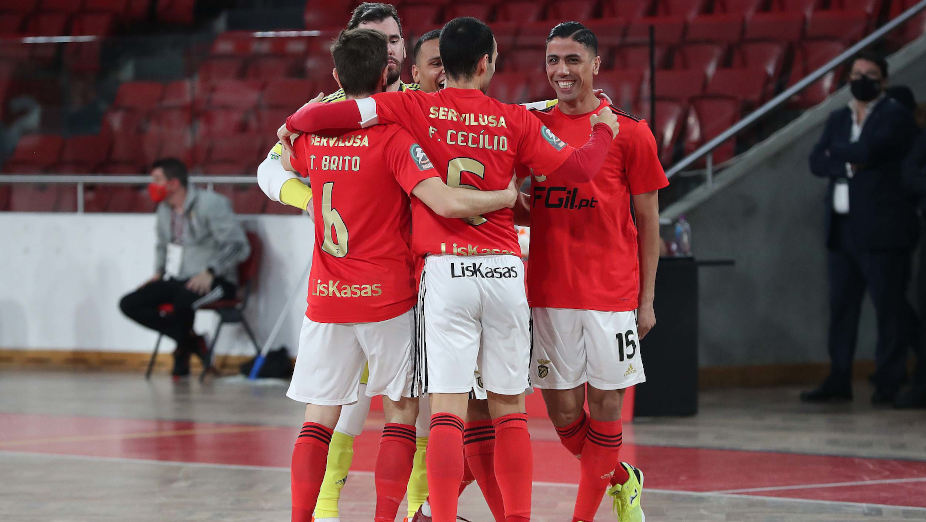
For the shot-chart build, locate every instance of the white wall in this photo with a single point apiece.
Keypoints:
(62, 275)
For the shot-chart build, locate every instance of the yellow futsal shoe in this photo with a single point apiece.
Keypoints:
(626, 496)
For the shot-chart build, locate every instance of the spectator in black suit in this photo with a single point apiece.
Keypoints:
(914, 176)
(871, 229)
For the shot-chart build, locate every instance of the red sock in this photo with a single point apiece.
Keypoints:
(310, 456)
(479, 449)
(393, 467)
(468, 476)
(445, 465)
(599, 458)
(514, 465)
(573, 435)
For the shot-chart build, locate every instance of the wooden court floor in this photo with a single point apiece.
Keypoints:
(111, 446)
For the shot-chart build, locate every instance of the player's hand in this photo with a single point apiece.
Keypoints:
(601, 95)
(608, 118)
(286, 139)
(646, 319)
(511, 191)
(200, 283)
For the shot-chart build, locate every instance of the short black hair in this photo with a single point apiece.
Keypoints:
(577, 32)
(360, 55)
(426, 37)
(873, 57)
(463, 42)
(173, 169)
(373, 12)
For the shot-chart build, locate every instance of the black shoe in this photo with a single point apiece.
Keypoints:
(827, 393)
(911, 398)
(181, 365)
(199, 348)
(883, 397)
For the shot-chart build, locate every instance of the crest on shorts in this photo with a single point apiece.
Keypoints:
(551, 138)
(421, 159)
(542, 369)
(630, 370)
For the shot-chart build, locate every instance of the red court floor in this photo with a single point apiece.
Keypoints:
(891, 482)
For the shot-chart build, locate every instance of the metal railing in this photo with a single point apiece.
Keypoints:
(81, 180)
(708, 148)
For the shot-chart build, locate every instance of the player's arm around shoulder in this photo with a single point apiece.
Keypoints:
(457, 202)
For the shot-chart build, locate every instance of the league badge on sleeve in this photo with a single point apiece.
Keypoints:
(551, 138)
(421, 159)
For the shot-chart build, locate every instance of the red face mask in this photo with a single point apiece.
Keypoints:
(157, 192)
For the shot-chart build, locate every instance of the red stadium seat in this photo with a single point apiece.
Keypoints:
(519, 11)
(11, 24)
(268, 121)
(610, 31)
(175, 11)
(721, 28)
(48, 24)
(743, 7)
(637, 56)
(170, 120)
(809, 56)
(708, 117)
(99, 24)
(119, 8)
(63, 6)
(33, 198)
(72, 168)
(767, 55)
(82, 57)
(233, 43)
(776, 26)
(225, 168)
(581, 10)
(175, 145)
(88, 151)
(687, 9)
(474, 9)
(847, 26)
(418, 19)
(4, 197)
(127, 149)
(241, 94)
(679, 84)
(23, 7)
(622, 86)
(327, 14)
(245, 199)
(666, 30)
(128, 168)
(667, 127)
(38, 150)
(138, 9)
(704, 56)
(243, 148)
(126, 199)
(219, 122)
(289, 94)
(178, 94)
(506, 35)
(912, 29)
(627, 11)
(746, 84)
(804, 7)
(510, 87)
(532, 35)
(142, 96)
(220, 68)
(268, 67)
(523, 60)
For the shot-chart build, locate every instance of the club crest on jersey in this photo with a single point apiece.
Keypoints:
(542, 369)
(421, 159)
(276, 151)
(551, 138)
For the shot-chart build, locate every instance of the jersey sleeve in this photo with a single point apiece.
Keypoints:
(392, 106)
(539, 148)
(644, 171)
(408, 161)
(299, 161)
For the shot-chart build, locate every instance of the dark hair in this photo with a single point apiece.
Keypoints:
(373, 12)
(173, 169)
(360, 56)
(577, 32)
(871, 56)
(463, 42)
(426, 37)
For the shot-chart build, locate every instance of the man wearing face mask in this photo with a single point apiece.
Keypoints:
(871, 229)
(199, 246)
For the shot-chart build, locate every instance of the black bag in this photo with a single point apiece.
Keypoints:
(277, 365)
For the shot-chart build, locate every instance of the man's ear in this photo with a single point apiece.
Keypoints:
(383, 79)
(334, 73)
(483, 65)
(596, 65)
(416, 74)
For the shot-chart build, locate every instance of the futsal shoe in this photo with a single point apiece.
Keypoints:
(828, 392)
(911, 397)
(181, 364)
(626, 497)
(420, 514)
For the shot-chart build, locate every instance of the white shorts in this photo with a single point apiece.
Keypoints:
(331, 358)
(473, 313)
(572, 347)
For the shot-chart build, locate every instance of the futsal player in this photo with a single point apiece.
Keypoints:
(594, 249)
(361, 288)
(472, 303)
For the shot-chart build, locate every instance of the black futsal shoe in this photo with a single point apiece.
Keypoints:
(911, 398)
(827, 393)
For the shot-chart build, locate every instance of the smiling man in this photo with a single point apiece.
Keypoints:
(588, 325)
(427, 67)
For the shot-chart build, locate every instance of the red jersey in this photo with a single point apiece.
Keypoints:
(475, 141)
(362, 264)
(583, 246)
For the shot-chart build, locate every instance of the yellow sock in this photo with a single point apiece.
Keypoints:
(418, 481)
(340, 455)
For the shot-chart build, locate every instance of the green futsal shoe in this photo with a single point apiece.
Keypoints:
(626, 496)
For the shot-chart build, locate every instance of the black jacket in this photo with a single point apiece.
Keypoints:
(914, 169)
(881, 212)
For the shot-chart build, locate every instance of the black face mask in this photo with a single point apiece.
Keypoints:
(865, 89)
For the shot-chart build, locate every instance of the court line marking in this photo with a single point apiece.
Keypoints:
(280, 469)
(825, 485)
(136, 435)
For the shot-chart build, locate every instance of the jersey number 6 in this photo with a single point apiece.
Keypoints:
(332, 218)
(455, 170)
